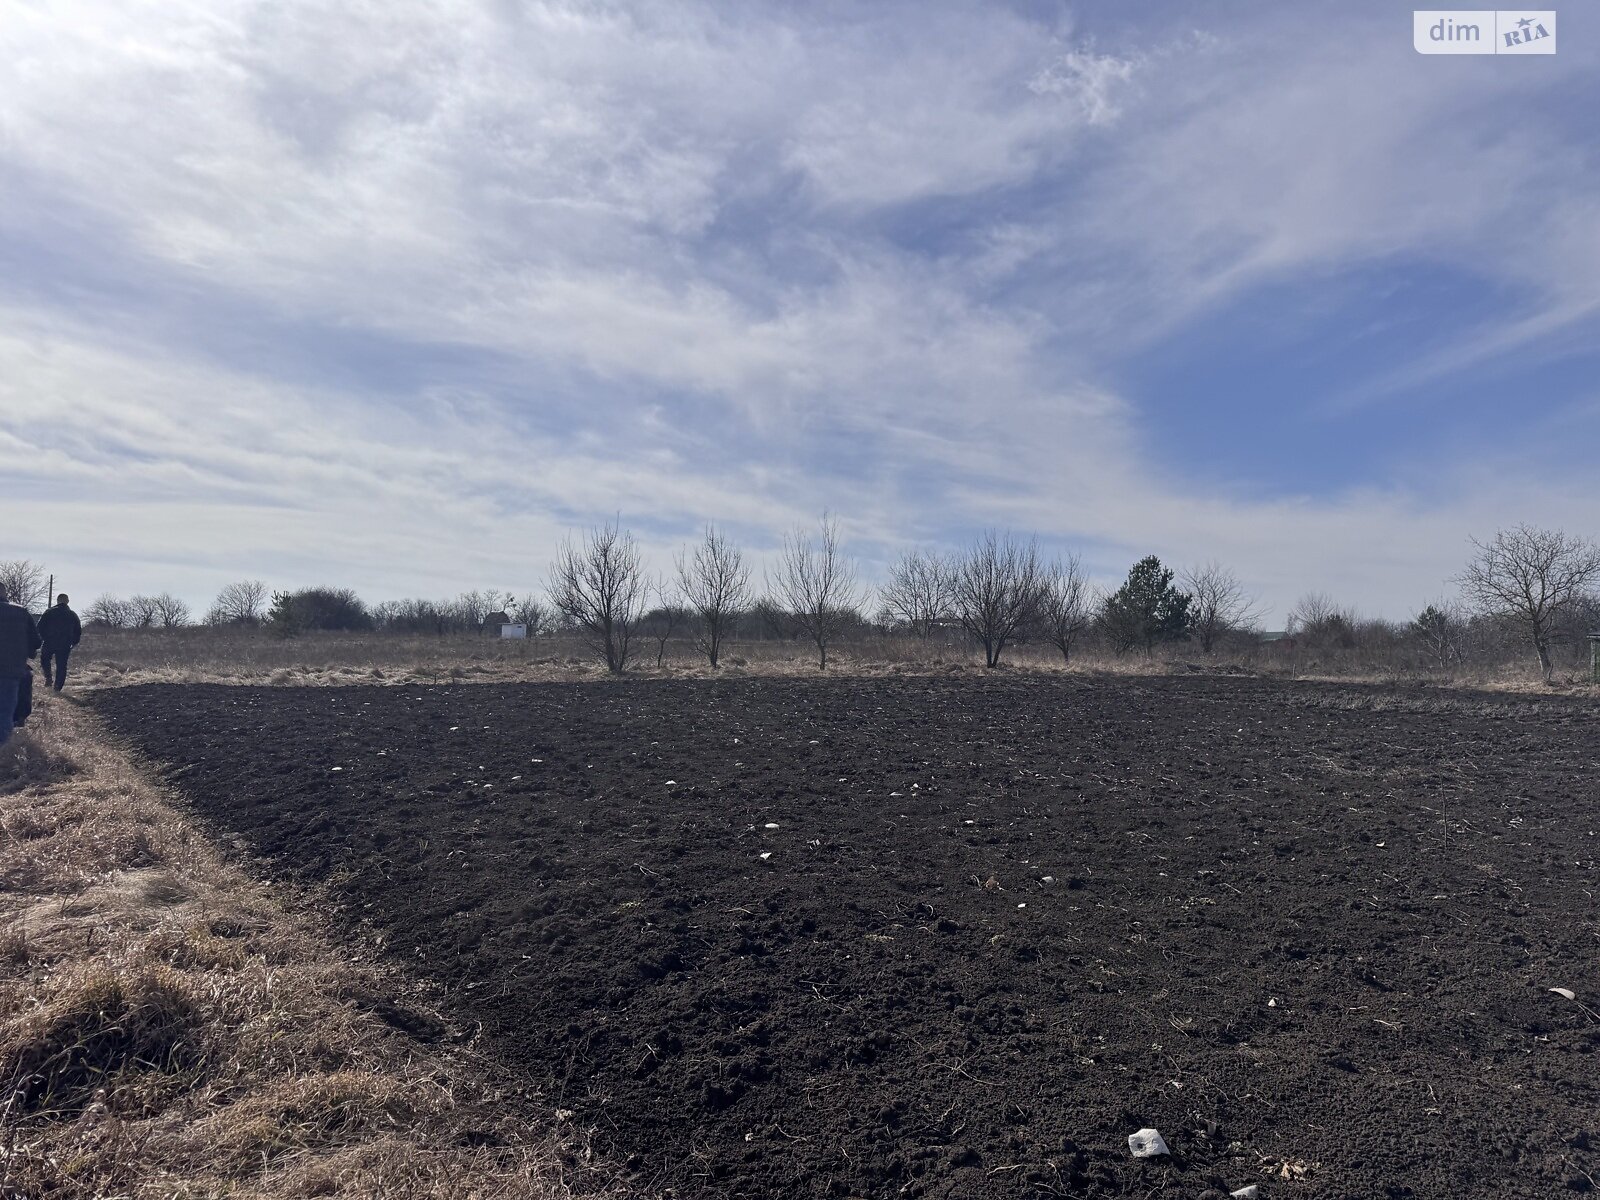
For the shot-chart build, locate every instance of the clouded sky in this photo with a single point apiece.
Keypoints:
(391, 294)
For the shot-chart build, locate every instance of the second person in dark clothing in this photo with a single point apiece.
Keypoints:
(60, 630)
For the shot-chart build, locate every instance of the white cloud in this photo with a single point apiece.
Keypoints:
(1092, 81)
(732, 261)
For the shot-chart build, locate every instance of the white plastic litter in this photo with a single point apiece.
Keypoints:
(1147, 1143)
(1565, 993)
(766, 854)
(1248, 1192)
(770, 825)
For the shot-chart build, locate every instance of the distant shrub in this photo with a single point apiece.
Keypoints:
(317, 609)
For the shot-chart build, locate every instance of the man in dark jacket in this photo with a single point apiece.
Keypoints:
(61, 630)
(19, 640)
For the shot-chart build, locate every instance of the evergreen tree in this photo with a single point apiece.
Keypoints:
(1146, 609)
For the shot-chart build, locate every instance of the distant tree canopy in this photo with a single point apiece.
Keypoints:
(109, 612)
(1323, 625)
(317, 609)
(467, 613)
(25, 583)
(1146, 610)
(165, 611)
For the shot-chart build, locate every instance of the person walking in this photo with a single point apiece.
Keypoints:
(19, 641)
(60, 630)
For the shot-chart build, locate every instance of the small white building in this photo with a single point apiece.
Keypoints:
(513, 630)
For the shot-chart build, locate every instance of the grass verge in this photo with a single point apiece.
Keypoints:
(169, 1028)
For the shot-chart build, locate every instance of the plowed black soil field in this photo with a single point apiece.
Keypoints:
(960, 937)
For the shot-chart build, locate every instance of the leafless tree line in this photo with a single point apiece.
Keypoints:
(600, 587)
(470, 612)
(998, 592)
(164, 611)
(1524, 584)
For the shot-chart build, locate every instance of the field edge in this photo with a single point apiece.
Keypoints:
(171, 1026)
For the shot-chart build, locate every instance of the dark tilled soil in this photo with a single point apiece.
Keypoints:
(961, 937)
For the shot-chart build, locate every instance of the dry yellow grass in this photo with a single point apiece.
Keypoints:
(204, 655)
(170, 1028)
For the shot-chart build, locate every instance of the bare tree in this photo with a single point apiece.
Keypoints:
(1066, 605)
(919, 591)
(1534, 575)
(996, 591)
(110, 612)
(662, 621)
(472, 607)
(170, 612)
(1311, 609)
(532, 612)
(242, 603)
(715, 583)
(1441, 630)
(601, 588)
(1321, 623)
(816, 584)
(1220, 603)
(142, 611)
(25, 583)
(387, 615)
(415, 616)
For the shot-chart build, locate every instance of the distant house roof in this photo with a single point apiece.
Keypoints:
(498, 618)
(1274, 635)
